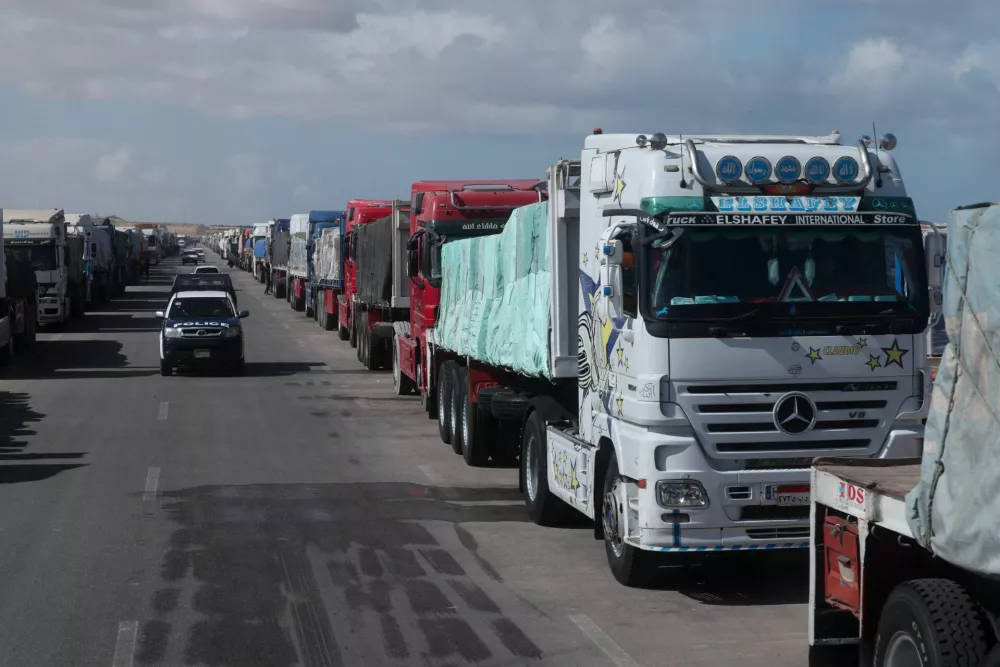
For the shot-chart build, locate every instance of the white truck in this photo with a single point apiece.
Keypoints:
(261, 235)
(723, 309)
(40, 238)
(98, 256)
(905, 566)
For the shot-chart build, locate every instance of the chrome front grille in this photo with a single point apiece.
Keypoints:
(777, 533)
(201, 332)
(737, 420)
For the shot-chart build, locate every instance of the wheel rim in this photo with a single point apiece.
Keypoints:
(531, 472)
(453, 421)
(465, 424)
(442, 404)
(396, 380)
(902, 651)
(612, 519)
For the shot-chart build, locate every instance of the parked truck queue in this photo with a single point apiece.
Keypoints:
(700, 343)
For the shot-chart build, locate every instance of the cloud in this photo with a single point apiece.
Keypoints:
(111, 166)
(429, 66)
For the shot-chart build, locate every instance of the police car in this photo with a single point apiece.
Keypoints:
(201, 328)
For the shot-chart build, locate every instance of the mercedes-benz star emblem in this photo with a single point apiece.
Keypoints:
(201, 332)
(794, 414)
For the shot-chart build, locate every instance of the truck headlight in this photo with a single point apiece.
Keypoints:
(171, 332)
(231, 332)
(690, 494)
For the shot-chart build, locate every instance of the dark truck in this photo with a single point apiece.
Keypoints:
(201, 282)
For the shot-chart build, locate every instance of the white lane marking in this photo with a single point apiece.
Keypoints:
(152, 481)
(603, 641)
(164, 410)
(125, 645)
(438, 481)
(285, 325)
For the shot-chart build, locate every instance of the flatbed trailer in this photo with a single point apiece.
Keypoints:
(876, 595)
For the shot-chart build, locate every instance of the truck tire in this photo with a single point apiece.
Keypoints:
(7, 352)
(460, 381)
(477, 430)
(931, 622)
(328, 320)
(630, 565)
(508, 405)
(543, 507)
(993, 659)
(444, 401)
(402, 385)
(353, 337)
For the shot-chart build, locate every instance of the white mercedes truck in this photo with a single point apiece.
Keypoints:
(724, 309)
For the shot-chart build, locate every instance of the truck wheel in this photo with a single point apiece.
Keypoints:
(444, 401)
(629, 565)
(165, 368)
(993, 659)
(460, 377)
(543, 507)
(401, 383)
(328, 320)
(476, 431)
(7, 352)
(931, 622)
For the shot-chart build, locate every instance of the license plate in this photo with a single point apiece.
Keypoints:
(202, 354)
(788, 495)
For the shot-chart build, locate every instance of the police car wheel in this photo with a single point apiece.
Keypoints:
(165, 368)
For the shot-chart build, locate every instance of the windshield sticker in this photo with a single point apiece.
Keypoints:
(894, 355)
(795, 281)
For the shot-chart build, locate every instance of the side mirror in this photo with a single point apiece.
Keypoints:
(934, 254)
(244, 314)
(413, 257)
(159, 314)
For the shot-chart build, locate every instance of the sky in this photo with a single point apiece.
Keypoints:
(237, 111)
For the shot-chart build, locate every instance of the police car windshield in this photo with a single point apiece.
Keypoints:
(760, 266)
(201, 307)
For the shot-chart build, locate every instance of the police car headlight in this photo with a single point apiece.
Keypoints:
(673, 494)
(171, 332)
(231, 332)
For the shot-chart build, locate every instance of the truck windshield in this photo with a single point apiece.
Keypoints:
(698, 267)
(41, 257)
(200, 307)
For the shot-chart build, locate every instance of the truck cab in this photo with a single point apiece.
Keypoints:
(39, 238)
(746, 304)
(442, 211)
(359, 212)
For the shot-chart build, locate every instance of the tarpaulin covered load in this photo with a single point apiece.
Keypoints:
(954, 507)
(298, 229)
(327, 260)
(373, 261)
(260, 248)
(496, 294)
(278, 249)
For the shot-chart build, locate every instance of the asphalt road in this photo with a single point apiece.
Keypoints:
(304, 515)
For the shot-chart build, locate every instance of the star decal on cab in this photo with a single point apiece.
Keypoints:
(619, 187)
(814, 355)
(894, 355)
(873, 362)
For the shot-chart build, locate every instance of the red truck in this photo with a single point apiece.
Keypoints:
(359, 212)
(441, 211)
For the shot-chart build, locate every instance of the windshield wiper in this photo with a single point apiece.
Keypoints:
(724, 331)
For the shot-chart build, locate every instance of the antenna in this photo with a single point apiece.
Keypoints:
(878, 161)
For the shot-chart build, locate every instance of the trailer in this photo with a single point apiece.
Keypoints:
(304, 230)
(381, 303)
(905, 566)
(18, 304)
(328, 284)
(359, 212)
(277, 253)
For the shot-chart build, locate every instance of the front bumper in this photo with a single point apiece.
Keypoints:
(220, 351)
(50, 310)
(743, 513)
